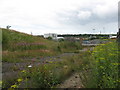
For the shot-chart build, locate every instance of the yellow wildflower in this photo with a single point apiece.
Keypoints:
(20, 79)
(110, 42)
(0, 82)
(102, 58)
(97, 61)
(50, 62)
(94, 51)
(65, 67)
(23, 71)
(101, 49)
(111, 54)
(14, 86)
(102, 44)
(105, 39)
(117, 80)
(116, 63)
(101, 67)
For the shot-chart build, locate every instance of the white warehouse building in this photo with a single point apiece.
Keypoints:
(52, 35)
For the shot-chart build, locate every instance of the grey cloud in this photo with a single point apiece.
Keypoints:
(72, 18)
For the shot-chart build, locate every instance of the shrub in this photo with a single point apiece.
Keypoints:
(105, 66)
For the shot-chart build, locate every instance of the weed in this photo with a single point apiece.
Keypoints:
(104, 72)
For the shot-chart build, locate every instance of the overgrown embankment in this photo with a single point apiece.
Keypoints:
(104, 67)
(19, 46)
(25, 52)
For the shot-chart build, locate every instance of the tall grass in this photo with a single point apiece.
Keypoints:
(104, 66)
(21, 47)
(14, 41)
(69, 46)
(51, 74)
(17, 46)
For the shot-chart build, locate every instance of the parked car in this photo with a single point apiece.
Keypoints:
(86, 42)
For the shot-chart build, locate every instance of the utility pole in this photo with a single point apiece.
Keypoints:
(93, 31)
(104, 29)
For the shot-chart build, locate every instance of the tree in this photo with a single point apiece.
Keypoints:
(8, 27)
(49, 38)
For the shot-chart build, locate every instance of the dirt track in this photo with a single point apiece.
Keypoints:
(73, 81)
(11, 70)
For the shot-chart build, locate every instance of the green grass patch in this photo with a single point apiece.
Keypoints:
(51, 74)
(17, 45)
(104, 67)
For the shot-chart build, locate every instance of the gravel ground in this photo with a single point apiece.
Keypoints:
(73, 81)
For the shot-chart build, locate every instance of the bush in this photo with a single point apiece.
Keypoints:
(105, 66)
(68, 46)
(49, 38)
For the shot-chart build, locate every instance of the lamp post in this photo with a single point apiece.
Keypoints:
(93, 30)
(104, 29)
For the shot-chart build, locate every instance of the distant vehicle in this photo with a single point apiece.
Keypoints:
(86, 42)
(112, 37)
(60, 37)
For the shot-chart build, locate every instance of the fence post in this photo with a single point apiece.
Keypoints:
(118, 41)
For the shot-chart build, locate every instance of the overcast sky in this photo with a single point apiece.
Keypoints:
(60, 16)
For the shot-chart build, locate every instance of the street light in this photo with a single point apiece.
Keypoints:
(93, 30)
(104, 29)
